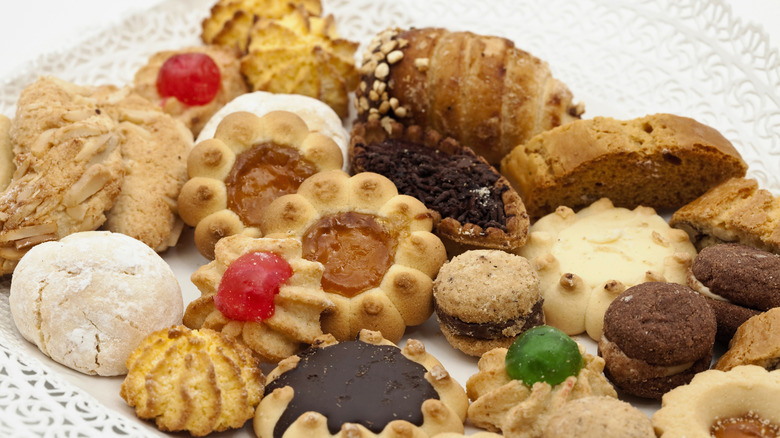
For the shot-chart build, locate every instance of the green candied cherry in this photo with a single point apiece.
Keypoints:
(543, 354)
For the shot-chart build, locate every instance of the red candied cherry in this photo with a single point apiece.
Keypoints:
(193, 78)
(249, 285)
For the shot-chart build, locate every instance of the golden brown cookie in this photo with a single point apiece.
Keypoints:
(250, 162)
(194, 117)
(756, 342)
(717, 401)
(377, 248)
(198, 381)
(364, 387)
(6, 152)
(297, 306)
(598, 417)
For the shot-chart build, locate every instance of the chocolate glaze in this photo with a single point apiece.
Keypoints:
(355, 382)
(491, 330)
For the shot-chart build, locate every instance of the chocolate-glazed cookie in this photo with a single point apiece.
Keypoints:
(656, 337)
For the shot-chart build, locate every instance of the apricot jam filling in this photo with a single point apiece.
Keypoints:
(261, 174)
(355, 249)
(749, 425)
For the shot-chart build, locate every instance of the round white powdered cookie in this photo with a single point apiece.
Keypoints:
(318, 116)
(89, 299)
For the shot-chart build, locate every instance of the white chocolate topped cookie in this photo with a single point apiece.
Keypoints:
(586, 259)
(376, 246)
(250, 162)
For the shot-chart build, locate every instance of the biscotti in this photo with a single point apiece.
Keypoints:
(735, 211)
(659, 161)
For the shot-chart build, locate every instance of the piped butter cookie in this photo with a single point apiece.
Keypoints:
(376, 246)
(586, 259)
(250, 162)
(262, 293)
(365, 387)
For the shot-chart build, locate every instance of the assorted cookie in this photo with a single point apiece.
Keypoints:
(598, 417)
(756, 342)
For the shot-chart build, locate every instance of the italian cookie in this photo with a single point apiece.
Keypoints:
(375, 245)
(586, 259)
(6, 152)
(198, 381)
(657, 336)
(741, 402)
(191, 84)
(262, 293)
(756, 342)
(322, 392)
(739, 281)
(509, 395)
(484, 299)
(90, 298)
(598, 417)
(251, 161)
(473, 205)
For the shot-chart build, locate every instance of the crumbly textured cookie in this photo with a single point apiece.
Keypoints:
(297, 306)
(480, 90)
(740, 282)
(6, 152)
(322, 392)
(756, 342)
(586, 259)
(736, 211)
(484, 299)
(69, 168)
(659, 161)
(501, 404)
(231, 85)
(377, 248)
(198, 381)
(717, 400)
(87, 300)
(598, 417)
(250, 162)
(473, 205)
(657, 336)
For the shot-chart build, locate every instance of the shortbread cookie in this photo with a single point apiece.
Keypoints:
(485, 298)
(250, 162)
(364, 387)
(376, 246)
(502, 404)
(659, 161)
(198, 381)
(756, 342)
(598, 417)
(87, 300)
(474, 206)
(6, 152)
(69, 168)
(716, 402)
(586, 259)
(736, 211)
(295, 308)
(194, 115)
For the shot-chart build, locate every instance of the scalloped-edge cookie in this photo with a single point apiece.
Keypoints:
(502, 404)
(198, 381)
(322, 392)
(377, 248)
(586, 259)
(250, 162)
(297, 307)
(716, 400)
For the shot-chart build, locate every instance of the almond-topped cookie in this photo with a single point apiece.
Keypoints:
(473, 205)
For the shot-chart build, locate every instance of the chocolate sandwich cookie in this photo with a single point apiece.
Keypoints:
(657, 336)
(484, 299)
(360, 387)
(739, 282)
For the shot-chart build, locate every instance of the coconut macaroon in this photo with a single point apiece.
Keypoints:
(250, 162)
(322, 392)
(376, 246)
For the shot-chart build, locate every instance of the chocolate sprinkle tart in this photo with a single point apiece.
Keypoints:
(355, 382)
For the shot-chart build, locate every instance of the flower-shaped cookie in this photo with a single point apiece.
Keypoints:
(376, 246)
(500, 403)
(587, 259)
(296, 308)
(716, 402)
(250, 162)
